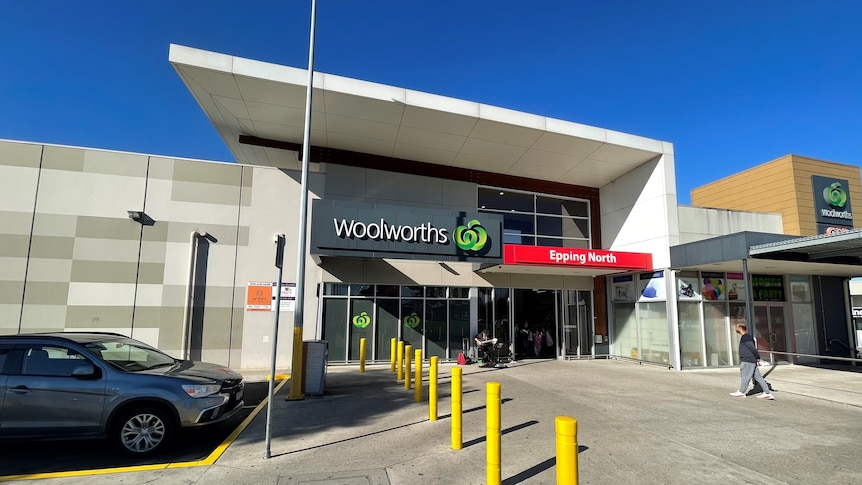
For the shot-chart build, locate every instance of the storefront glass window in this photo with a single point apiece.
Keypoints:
(413, 291)
(361, 319)
(361, 290)
(387, 327)
(335, 326)
(335, 289)
(412, 322)
(435, 292)
(537, 219)
(690, 334)
(387, 290)
(459, 327)
(737, 315)
(655, 345)
(625, 330)
(436, 331)
(715, 328)
(456, 292)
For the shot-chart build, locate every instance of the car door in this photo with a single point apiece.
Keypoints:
(4, 352)
(44, 398)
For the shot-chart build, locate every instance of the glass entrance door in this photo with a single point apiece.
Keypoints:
(769, 330)
(577, 323)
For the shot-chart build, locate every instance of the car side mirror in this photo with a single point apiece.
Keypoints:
(85, 370)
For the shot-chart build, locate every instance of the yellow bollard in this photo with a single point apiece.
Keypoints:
(417, 384)
(400, 365)
(432, 390)
(392, 355)
(567, 450)
(456, 408)
(296, 371)
(362, 355)
(493, 434)
(407, 350)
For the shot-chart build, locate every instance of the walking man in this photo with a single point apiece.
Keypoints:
(749, 357)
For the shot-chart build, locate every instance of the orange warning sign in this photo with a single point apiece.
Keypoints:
(259, 296)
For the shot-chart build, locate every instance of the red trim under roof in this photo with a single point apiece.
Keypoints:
(517, 254)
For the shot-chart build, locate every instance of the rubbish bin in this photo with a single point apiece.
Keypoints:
(314, 359)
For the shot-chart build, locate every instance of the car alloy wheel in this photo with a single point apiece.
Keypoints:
(143, 431)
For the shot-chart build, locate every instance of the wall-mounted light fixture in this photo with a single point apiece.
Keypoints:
(141, 217)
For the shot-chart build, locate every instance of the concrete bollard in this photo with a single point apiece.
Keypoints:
(362, 355)
(432, 390)
(400, 364)
(456, 408)
(392, 355)
(493, 433)
(567, 450)
(417, 384)
(407, 372)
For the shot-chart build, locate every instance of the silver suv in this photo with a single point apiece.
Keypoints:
(93, 384)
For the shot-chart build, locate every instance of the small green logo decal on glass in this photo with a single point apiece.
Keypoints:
(362, 320)
(471, 237)
(835, 195)
(412, 321)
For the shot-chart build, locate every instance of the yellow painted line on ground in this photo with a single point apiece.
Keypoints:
(209, 460)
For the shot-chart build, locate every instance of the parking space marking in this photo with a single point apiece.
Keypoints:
(209, 460)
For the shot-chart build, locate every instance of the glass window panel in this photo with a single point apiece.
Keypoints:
(412, 291)
(485, 313)
(579, 228)
(566, 207)
(517, 238)
(501, 199)
(388, 290)
(436, 331)
(655, 345)
(715, 330)
(501, 314)
(549, 226)
(387, 327)
(435, 292)
(556, 242)
(335, 327)
(625, 330)
(459, 327)
(361, 290)
(412, 316)
(690, 334)
(456, 292)
(335, 289)
(361, 319)
(518, 224)
(800, 289)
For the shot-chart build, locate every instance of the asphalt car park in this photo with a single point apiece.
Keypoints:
(28, 457)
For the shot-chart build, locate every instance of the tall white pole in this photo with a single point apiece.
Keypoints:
(296, 370)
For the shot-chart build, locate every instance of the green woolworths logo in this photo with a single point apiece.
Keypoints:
(835, 195)
(412, 321)
(471, 237)
(362, 320)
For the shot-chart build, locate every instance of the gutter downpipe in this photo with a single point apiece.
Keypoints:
(185, 351)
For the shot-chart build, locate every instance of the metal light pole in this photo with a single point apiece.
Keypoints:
(296, 370)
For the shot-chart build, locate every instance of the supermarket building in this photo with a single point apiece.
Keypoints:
(430, 218)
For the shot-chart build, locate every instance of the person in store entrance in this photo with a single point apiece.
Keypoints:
(749, 357)
(483, 345)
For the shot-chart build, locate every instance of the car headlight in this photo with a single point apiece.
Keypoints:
(201, 390)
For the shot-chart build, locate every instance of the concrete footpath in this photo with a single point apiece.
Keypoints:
(636, 424)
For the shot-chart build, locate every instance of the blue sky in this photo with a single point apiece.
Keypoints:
(730, 83)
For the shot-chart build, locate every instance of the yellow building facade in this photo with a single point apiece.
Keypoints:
(787, 186)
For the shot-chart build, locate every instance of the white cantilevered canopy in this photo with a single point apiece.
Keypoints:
(267, 101)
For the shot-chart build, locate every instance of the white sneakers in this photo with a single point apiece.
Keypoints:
(764, 395)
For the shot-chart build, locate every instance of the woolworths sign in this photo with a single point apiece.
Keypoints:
(384, 231)
(831, 201)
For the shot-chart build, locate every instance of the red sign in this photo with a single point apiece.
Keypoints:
(582, 258)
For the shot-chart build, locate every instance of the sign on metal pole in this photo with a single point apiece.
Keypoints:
(279, 263)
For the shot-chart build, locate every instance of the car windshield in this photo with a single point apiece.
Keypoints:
(130, 355)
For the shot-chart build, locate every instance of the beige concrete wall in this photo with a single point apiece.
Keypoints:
(698, 223)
